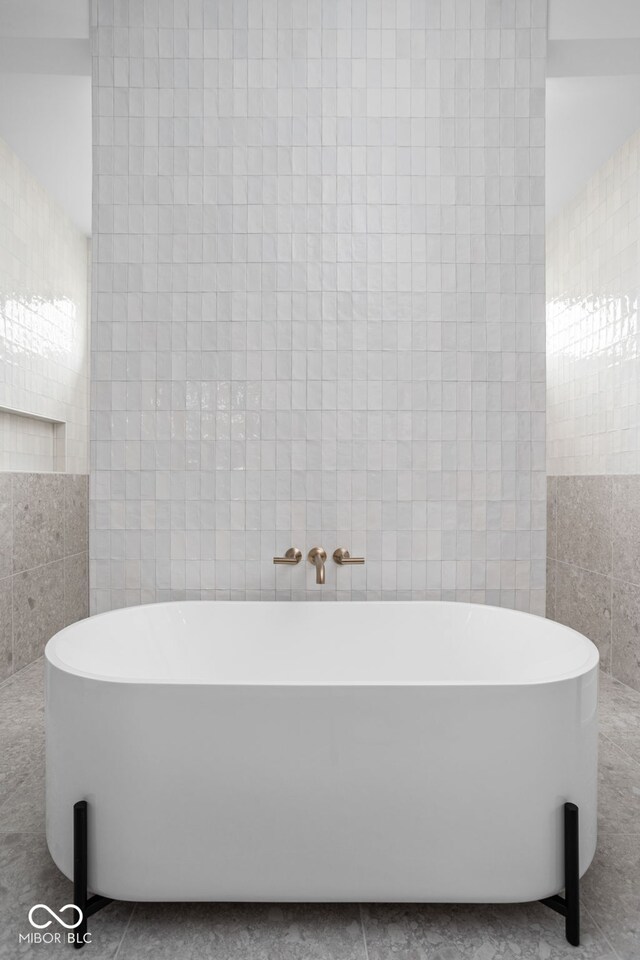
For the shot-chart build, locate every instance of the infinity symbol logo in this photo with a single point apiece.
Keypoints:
(47, 923)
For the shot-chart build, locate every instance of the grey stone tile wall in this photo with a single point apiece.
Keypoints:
(44, 583)
(593, 565)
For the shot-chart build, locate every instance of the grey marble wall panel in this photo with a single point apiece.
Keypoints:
(552, 518)
(583, 522)
(38, 519)
(76, 593)
(583, 602)
(43, 561)
(625, 539)
(6, 526)
(6, 629)
(76, 495)
(551, 588)
(626, 633)
(38, 610)
(593, 565)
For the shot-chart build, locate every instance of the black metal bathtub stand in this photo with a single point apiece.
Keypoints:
(88, 905)
(568, 906)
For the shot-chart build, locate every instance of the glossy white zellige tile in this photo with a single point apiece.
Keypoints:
(593, 338)
(318, 309)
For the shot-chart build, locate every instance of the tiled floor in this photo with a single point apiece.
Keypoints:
(611, 888)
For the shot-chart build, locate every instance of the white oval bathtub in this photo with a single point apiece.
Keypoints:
(321, 751)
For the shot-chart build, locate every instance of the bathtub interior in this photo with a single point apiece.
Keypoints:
(332, 643)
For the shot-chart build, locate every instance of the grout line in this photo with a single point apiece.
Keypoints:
(39, 566)
(14, 676)
(125, 932)
(599, 929)
(625, 685)
(596, 573)
(10, 796)
(621, 749)
(364, 933)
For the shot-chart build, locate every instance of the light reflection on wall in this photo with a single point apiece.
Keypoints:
(34, 325)
(593, 331)
(43, 320)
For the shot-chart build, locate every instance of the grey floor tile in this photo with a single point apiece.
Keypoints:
(475, 932)
(618, 790)
(22, 688)
(611, 892)
(23, 810)
(21, 728)
(244, 932)
(29, 876)
(620, 715)
(17, 765)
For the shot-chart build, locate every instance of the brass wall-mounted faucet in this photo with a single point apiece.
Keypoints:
(317, 556)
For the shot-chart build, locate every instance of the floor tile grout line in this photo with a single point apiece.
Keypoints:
(13, 792)
(364, 932)
(626, 686)
(124, 932)
(13, 676)
(621, 749)
(602, 933)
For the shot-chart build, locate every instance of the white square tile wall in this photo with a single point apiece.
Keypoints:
(44, 326)
(318, 277)
(593, 289)
(27, 444)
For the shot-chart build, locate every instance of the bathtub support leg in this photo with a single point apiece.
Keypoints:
(88, 905)
(569, 905)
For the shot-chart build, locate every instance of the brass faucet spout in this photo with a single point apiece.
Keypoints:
(317, 556)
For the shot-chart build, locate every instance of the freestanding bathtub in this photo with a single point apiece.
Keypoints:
(321, 751)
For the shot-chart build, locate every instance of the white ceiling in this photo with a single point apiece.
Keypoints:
(593, 19)
(45, 96)
(45, 18)
(588, 118)
(56, 142)
(593, 93)
(593, 90)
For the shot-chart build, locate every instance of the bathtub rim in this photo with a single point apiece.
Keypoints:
(590, 663)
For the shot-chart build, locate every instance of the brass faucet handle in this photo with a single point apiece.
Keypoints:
(291, 557)
(344, 558)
